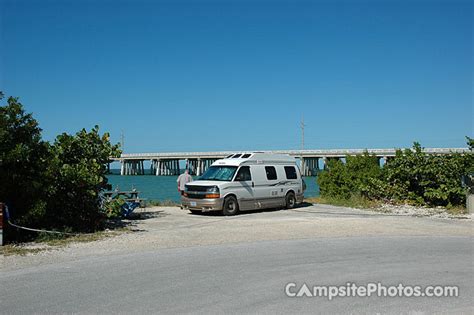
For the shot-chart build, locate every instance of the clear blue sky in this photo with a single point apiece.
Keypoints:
(236, 75)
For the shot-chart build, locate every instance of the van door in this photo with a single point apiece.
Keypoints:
(267, 192)
(243, 188)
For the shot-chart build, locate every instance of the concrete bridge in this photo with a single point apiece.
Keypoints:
(167, 164)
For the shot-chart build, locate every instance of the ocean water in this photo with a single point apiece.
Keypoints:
(165, 187)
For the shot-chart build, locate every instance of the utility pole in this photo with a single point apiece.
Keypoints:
(303, 166)
(122, 141)
(302, 132)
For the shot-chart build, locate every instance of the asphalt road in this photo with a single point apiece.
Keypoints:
(250, 277)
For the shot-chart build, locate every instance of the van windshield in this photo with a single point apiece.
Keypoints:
(222, 173)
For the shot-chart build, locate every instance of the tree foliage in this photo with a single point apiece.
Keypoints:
(78, 169)
(23, 157)
(427, 179)
(343, 180)
(56, 185)
(412, 176)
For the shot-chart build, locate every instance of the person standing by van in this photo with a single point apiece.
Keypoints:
(183, 179)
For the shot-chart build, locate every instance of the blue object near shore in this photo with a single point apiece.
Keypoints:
(128, 207)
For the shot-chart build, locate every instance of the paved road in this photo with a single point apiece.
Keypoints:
(250, 276)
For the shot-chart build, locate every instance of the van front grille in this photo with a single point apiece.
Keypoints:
(196, 196)
(196, 188)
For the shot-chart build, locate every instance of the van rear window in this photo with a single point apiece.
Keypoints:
(271, 172)
(246, 156)
(290, 172)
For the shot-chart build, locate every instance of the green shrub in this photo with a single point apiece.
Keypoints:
(78, 175)
(113, 208)
(356, 177)
(412, 176)
(427, 179)
(51, 186)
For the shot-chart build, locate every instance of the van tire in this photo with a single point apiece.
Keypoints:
(290, 200)
(231, 207)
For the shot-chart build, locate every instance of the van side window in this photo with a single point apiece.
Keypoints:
(243, 174)
(271, 172)
(290, 172)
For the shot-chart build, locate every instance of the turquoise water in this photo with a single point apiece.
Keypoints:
(165, 187)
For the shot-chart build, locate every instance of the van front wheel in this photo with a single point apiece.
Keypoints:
(231, 207)
(290, 200)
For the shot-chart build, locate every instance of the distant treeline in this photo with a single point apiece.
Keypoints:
(412, 176)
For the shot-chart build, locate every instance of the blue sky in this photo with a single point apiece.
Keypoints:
(239, 75)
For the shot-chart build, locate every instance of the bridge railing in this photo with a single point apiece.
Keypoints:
(296, 153)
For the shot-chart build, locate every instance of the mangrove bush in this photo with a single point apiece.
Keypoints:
(51, 185)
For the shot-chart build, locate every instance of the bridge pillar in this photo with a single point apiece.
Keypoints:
(195, 165)
(167, 168)
(157, 167)
(121, 168)
(199, 167)
(186, 163)
(175, 167)
(313, 166)
(206, 164)
(379, 161)
(141, 170)
(303, 166)
(191, 167)
(152, 166)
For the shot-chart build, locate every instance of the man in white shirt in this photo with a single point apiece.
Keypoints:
(183, 179)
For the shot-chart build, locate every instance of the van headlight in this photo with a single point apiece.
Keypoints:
(213, 190)
(212, 193)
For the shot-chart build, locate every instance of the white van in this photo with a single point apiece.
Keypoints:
(246, 181)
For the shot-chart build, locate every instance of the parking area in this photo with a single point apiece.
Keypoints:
(171, 227)
(173, 261)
